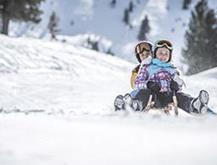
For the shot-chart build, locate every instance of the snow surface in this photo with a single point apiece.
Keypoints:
(57, 108)
(97, 17)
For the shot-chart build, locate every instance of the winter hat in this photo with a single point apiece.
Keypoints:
(163, 43)
(141, 47)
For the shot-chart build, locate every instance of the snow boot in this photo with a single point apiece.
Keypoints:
(119, 103)
(199, 104)
(137, 105)
(128, 99)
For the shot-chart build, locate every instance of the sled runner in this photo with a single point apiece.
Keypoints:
(167, 110)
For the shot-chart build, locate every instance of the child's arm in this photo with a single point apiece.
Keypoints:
(177, 83)
(142, 77)
(134, 75)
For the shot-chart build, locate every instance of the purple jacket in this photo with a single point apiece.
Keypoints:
(156, 71)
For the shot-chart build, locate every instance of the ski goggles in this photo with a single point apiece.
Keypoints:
(164, 43)
(143, 46)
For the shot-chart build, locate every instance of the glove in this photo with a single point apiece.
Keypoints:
(153, 86)
(174, 86)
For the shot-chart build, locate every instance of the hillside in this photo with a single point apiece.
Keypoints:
(52, 75)
(100, 21)
(57, 108)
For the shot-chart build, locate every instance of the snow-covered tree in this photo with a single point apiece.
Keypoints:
(113, 3)
(186, 4)
(53, 25)
(126, 18)
(93, 43)
(201, 39)
(144, 29)
(19, 10)
(131, 6)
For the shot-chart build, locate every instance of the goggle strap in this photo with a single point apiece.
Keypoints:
(164, 44)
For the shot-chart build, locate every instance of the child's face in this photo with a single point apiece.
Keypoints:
(163, 54)
(144, 55)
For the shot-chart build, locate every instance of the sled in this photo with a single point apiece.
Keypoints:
(171, 107)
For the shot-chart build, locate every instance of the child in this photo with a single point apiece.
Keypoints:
(143, 51)
(161, 78)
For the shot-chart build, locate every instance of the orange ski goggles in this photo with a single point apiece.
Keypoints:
(143, 46)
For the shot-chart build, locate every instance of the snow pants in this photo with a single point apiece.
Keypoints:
(162, 99)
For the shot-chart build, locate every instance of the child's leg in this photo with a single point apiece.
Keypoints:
(163, 99)
(133, 93)
(143, 96)
(190, 104)
(184, 101)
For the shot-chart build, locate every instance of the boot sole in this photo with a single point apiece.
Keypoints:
(200, 106)
(204, 97)
(119, 102)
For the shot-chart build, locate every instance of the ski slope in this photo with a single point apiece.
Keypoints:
(69, 92)
(85, 18)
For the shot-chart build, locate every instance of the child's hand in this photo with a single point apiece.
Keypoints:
(178, 80)
(153, 86)
(174, 86)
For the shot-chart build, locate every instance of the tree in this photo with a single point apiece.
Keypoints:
(186, 4)
(19, 10)
(131, 6)
(113, 3)
(93, 43)
(126, 18)
(144, 29)
(53, 25)
(109, 51)
(201, 39)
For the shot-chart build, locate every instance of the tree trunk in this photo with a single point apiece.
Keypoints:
(5, 17)
(5, 23)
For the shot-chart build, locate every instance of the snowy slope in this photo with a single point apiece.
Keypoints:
(82, 17)
(76, 87)
(57, 75)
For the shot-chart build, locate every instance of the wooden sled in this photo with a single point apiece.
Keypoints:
(167, 110)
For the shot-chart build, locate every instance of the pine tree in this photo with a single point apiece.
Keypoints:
(126, 18)
(186, 4)
(19, 10)
(109, 51)
(93, 43)
(53, 25)
(201, 39)
(113, 3)
(131, 6)
(144, 29)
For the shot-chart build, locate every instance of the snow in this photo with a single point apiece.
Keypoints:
(72, 90)
(41, 139)
(88, 17)
(83, 17)
(57, 71)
